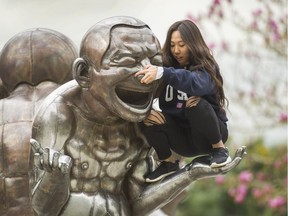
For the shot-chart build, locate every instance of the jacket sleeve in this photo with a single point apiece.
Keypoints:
(197, 83)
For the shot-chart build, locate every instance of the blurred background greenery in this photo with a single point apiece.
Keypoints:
(257, 187)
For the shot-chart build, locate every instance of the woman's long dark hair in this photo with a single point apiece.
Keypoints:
(200, 54)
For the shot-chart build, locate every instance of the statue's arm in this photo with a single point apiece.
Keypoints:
(52, 167)
(155, 195)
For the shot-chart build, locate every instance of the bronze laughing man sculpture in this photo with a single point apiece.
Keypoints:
(90, 153)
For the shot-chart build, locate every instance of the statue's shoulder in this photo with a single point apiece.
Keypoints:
(56, 107)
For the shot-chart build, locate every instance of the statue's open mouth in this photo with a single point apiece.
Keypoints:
(138, 99)
(130, 100)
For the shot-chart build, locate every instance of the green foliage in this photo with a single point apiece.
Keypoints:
(258, 186)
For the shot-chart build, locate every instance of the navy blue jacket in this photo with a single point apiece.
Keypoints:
(181, 84)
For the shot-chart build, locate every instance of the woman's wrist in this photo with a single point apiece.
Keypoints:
(160, 71)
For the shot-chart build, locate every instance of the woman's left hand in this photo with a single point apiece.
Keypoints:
(149, 72)
(192, 101)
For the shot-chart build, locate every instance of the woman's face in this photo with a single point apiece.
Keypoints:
(179, 49)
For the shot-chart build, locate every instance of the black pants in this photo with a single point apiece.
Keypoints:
(203, 128)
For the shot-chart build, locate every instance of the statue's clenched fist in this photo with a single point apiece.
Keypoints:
(50, 160)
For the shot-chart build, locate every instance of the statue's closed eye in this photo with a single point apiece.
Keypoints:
(124, 61)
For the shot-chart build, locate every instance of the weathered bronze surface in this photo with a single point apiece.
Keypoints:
(32, 64)
(89, 153)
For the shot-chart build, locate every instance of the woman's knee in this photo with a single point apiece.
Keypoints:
(155, 118)
(201, 111)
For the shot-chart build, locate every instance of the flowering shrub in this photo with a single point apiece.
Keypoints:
(258, 186)
(264, 23)
(263, 180)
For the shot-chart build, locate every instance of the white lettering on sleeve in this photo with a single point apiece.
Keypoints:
(169, 93)
(181, 95)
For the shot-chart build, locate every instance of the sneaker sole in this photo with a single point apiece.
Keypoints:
(215, 165)
(160, 177)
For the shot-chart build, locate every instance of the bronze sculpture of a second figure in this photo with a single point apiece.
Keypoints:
(33, 63)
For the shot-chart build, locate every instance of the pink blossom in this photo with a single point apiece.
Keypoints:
(261, 176)
(277, 164)
(211, 46)
(245, 177)
(216, 2)
(276, 37)
(241, 193)
(267, 188)
(239, 198)
(220, 14)
(255, 26)
(224, 46)
(285, 158)
(192, 18)
(242, 189)
(272, 23)
(232, 192)
(257, 192)
(257, 12)
(274, 26)
(219, 180)
(283, 117)
(276, 202)
(211, 11)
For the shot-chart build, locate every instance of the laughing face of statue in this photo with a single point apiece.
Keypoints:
(110, 76)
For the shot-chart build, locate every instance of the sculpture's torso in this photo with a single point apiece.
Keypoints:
(102, 156)
(17, 113)
(101, 162)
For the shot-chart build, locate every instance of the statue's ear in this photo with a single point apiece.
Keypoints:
(81, 72)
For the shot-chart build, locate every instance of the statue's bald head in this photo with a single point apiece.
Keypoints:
(97, 39)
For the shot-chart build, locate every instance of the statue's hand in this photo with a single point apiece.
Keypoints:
(198, 169)
(50, 160)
